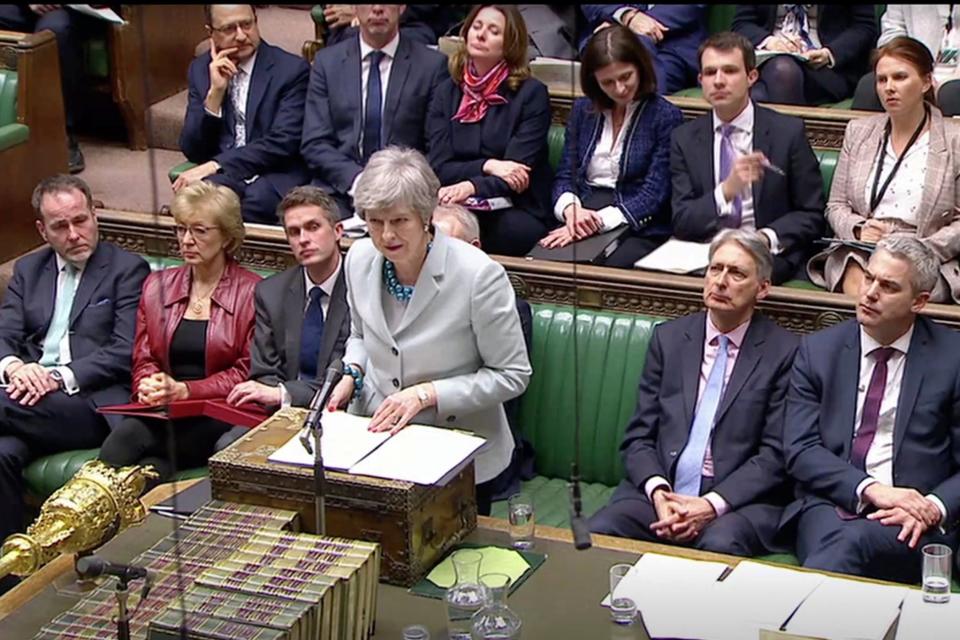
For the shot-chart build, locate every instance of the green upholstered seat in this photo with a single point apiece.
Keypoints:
(180, 168)
(552, 500)
(47, 474)
(691, 92)
(11, 132)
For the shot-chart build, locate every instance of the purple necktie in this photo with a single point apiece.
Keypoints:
(868, 420)
(727, 157)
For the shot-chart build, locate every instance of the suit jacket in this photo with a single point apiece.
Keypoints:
(792, 206)
(473, 351)
(514, 131)
(102, 318)
(938, 221)
(643, 185)
(745, 443)
(848, 30)
(924, 22)
(275, 356)
(822, 404)
(274, 119)
(334, 112)
(686, 24)
(229, 331)
(421, 23)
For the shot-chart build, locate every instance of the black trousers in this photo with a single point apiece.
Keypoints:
(57, 423)
(168, 445)
(510, 232)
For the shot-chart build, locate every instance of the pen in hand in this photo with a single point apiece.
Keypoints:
(764, 162)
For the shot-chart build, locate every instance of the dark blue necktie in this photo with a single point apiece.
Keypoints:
(311, 335)
(371, 116)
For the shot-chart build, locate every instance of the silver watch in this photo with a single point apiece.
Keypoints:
(423, 396)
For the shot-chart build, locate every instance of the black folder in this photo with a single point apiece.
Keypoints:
(593, 250)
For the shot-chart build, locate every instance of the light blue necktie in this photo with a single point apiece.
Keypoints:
(690, 464)
(61, 317)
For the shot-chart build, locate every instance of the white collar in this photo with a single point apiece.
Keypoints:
(247, 65)
(743, 121)
(327, 285)
(901, 344)
(61, 263)
(390, 49)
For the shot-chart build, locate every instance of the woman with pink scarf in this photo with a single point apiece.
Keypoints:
(488, 133)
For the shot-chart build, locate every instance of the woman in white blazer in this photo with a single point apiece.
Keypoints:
(435, 336)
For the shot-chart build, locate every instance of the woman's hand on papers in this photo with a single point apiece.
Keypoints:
(396, 411)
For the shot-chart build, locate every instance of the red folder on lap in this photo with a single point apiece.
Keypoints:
(250, 415)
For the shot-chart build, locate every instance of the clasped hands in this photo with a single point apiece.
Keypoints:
(160, 388)
(680, 518)
(874, 230)
(29, 382)
(903, 507)
(579, 223)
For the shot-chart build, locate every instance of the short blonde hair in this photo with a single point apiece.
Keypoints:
(220, 202)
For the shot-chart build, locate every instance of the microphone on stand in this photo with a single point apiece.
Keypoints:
(581, 533)
(95, 566)
(319, 401)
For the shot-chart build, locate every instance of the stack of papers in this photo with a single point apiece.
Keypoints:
(418, 453)
(677, 256)
(841, 608)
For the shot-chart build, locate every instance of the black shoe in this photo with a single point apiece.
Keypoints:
(75, 162)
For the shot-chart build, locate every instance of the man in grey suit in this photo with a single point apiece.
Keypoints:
(302, 317)
(703, 451)
(341, 127)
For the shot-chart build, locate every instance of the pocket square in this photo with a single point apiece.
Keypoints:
(100, 302)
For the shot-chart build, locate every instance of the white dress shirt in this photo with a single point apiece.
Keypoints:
(386, 64)
(69, 380)
(241, 84)
(327, 287)
(742, 139)
(603, 169)
(879, 460)
(903, 197)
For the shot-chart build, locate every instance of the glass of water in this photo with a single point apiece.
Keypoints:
(522, 520)
(937, 561)
(622, 609)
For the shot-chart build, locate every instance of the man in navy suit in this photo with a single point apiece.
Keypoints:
(872, 426)
(670, 32)
(761, 172)
(341, 127)
(245, 114)
(703, 452)
(66, 335)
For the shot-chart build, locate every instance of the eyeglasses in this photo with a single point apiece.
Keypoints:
(198, 231)
(230, 29)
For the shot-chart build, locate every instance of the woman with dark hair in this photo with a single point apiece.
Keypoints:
(615, 168)
(488, 133)
(896, 174)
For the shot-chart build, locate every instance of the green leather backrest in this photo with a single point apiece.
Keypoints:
(8, 97)
(612, 348)
(720, 17)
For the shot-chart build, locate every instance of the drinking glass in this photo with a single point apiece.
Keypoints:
(622, 609)
(522, 520)
(466, 596)
(937, 561)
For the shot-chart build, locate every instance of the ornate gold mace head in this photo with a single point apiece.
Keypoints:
(92, 507)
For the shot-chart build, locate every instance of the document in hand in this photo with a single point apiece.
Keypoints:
(677, 256)
(418, 453)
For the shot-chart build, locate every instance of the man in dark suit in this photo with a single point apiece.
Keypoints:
(66, 335)
(670, 32)
(245, 114)
(872, 426)
(761, 172)
(341, 127)
(302, 315)
(423, 23)
(702, 452)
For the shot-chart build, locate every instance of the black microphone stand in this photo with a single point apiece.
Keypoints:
(123, 617)
(319, 480)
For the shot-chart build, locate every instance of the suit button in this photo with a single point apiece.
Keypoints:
(394, 351)
(673, 454)
(451, 418)
(396, 383)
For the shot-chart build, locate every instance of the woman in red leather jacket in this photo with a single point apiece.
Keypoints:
(194, 327)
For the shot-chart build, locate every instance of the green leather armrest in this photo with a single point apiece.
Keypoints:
(317, 14)
(180, 168)
(12, 135)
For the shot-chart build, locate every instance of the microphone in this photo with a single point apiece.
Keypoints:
(319, 401)
(95, 566)
(581, 533)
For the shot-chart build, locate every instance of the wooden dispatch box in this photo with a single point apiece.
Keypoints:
(414, 524)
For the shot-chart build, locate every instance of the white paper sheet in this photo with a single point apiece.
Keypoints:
(103, 14)
(344, 443)
(921, 620)
(676, 256)
(840, 608)
(419, 454)
(656, 570)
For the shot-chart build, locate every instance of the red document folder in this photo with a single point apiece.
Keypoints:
(249, 415)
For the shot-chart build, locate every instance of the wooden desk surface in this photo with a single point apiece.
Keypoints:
(560, 600)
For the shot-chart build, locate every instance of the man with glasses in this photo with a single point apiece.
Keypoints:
(66, 335)
(245, 114)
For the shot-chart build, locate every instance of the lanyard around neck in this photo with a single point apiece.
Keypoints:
(877, 196)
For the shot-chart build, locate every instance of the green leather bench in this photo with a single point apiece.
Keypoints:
(12, 132)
